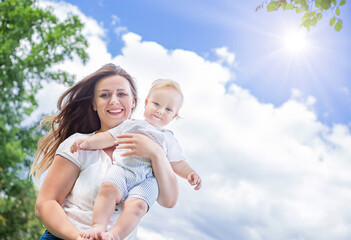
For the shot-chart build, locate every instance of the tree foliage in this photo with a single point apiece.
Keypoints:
(312, 9)
(32, 41)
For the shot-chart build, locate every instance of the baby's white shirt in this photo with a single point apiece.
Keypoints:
(170, 144)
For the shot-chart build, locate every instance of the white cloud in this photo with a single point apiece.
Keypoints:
(115, 20)
(269, 172)
(344, 90)
(225, 56)
(144, 234)
(119, 30)
(311, 101)
(295, 93)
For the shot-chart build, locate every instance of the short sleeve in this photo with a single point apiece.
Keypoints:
(64, 149)
(174, 151)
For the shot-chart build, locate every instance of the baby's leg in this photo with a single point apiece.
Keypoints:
(109, 195)
(133, 210)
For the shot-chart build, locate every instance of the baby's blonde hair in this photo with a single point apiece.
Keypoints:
(166, 83)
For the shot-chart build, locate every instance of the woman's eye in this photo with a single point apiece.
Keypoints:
(121, 94)
(104, 95)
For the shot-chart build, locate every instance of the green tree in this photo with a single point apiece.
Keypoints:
(32, 41)
(312, 10)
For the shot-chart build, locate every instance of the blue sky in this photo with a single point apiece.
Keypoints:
(201, 26)
(267, 130)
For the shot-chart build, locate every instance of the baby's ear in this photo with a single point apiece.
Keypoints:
(146, 102)
(176, 115)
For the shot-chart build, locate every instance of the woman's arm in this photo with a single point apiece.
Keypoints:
(57, 185)
(143, 146)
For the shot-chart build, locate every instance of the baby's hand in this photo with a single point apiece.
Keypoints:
(194, 180)
(78, 144)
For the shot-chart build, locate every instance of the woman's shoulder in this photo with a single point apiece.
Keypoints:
(73, 137)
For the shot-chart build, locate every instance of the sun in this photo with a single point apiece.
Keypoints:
(295, 42)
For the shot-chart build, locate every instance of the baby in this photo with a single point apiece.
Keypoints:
(131, 177)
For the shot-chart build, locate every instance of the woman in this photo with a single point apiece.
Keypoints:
(99, 102)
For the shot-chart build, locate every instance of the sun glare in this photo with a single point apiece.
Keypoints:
(295, 42)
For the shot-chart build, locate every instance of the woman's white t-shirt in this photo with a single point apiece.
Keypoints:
(79, 203)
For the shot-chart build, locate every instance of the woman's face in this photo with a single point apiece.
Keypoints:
(113, 101)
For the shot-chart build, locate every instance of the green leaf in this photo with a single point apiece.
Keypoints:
(334, 2)
(272, 6)
(337, 11)
(314, 21)
(338, 26)
(289, 6)
(283, 5)
(299, 10)
(319, 16)
(326, 4)
(342, 3)
(306, 24)
(332, 21)
(306, 16)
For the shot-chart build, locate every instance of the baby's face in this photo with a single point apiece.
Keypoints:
(162, 106)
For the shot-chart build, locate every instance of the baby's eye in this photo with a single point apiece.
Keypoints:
(156, 104)
(168, 110)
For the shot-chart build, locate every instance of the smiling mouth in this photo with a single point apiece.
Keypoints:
(157, 117)
(115, 110)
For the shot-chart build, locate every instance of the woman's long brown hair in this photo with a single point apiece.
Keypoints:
(75, 114)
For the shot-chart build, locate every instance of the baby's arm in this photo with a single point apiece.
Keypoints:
(182, 169)
(97, 141)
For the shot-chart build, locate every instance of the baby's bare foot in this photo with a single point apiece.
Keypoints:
(81, 238)
(109, 236)
(92, 233)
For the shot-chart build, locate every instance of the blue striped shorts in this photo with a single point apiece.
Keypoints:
(132, 185)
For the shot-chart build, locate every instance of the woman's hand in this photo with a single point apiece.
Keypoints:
(139, 145)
